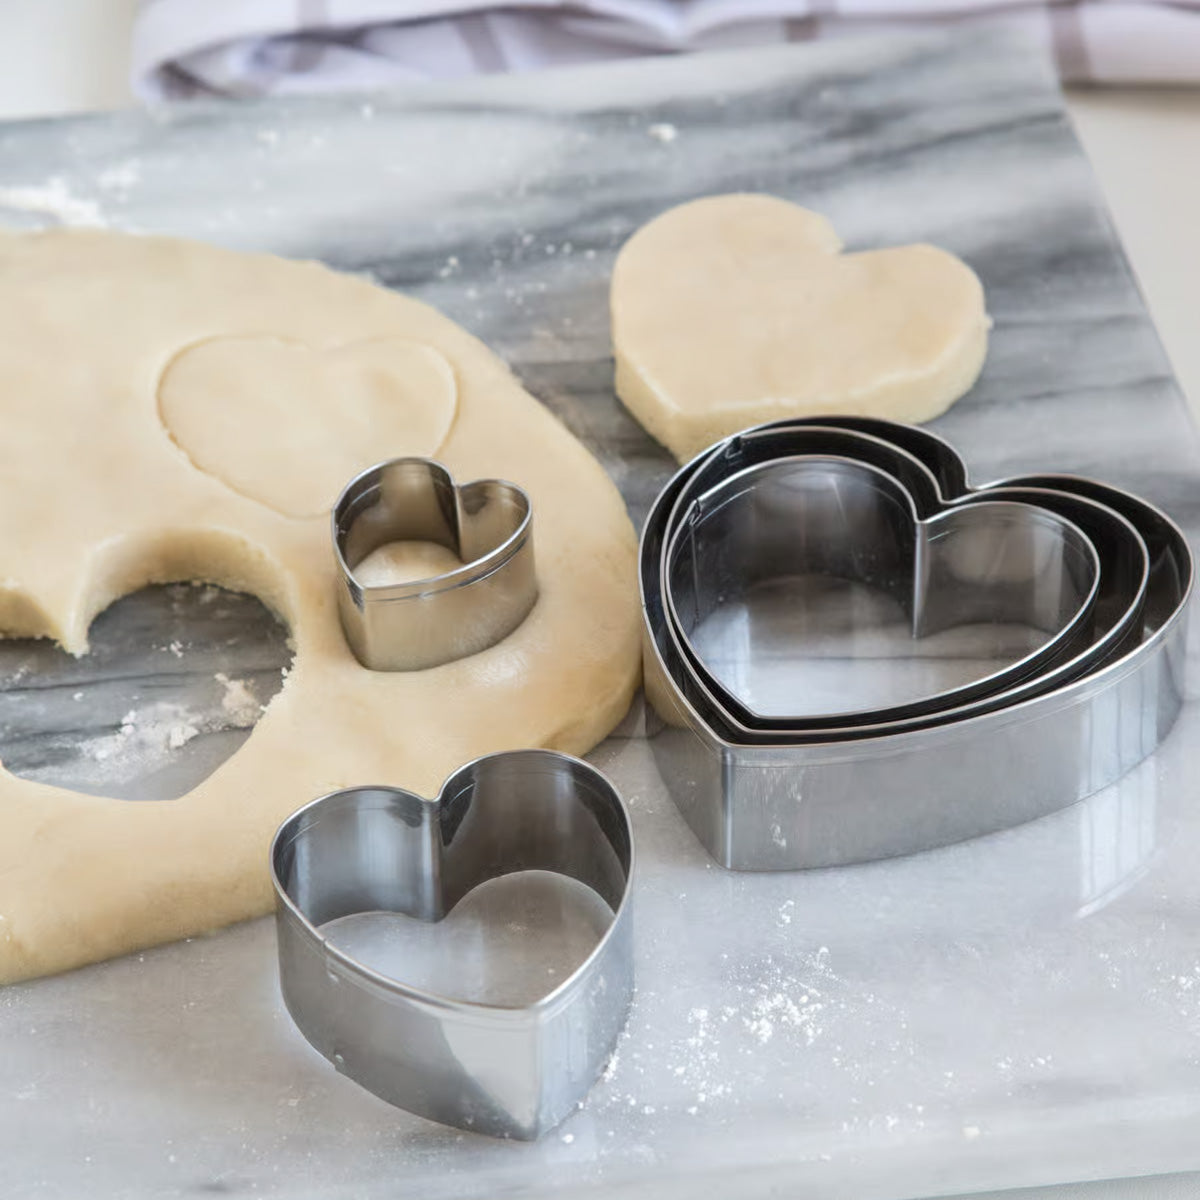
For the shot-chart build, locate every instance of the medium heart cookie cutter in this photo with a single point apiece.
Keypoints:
(507, 1072)
(422, 623)
(992, 565)
(789, 799)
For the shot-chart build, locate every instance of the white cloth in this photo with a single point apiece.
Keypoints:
(260, 47)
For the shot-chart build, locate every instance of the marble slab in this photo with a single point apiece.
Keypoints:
(1022, 1009)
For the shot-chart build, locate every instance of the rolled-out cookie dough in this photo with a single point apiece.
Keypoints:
(738, 309)
(147, 439)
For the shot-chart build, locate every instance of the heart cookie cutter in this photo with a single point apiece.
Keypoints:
(423, 623)
(927, 479)
(993, 566)
(502, 1071)
(791, 798)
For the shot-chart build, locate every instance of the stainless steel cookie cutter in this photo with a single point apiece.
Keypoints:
(423, 623)
(993, 565)
(507, 1072)
(784, 804)
(1115, 619)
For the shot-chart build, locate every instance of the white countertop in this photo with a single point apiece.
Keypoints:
(1145, 147)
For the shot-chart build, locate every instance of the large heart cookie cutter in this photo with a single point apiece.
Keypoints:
(426, 622)
(507, 1072)
(778, 800)
(929, 480)
(990, 570)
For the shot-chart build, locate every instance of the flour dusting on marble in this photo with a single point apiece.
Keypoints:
(239, 701)
(144, 733)
(781, 1001)
(53, 199)
(120, 177)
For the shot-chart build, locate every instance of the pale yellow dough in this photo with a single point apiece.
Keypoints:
(106, 485)
(738, 309)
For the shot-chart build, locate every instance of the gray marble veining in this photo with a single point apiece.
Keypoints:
(1020, 1009)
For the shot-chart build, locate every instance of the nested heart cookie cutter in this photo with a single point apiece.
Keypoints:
(791, 797)
(488, 524)
(993, 565)
(1121, 590)
(506, 1072)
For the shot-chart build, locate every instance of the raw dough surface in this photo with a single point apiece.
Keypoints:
(150, 435)
(405, 562)
(250, 409)
(738, 309)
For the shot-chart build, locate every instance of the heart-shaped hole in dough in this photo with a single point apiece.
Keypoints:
(734, 310)
(175, 679)
(287, 425)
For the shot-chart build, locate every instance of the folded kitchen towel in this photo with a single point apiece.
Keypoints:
(259, 47)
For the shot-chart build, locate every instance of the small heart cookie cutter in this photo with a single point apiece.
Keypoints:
(410, 626)
(788, 798)
(511, 1072)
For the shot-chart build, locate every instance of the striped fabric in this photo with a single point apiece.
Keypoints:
(256, 47)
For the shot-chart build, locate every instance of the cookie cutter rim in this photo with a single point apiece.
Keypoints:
(1068, 486)
(398, 626)
(1114, 641)
(554, 1047)
(927, 521)
(740, 726)
(796, 806)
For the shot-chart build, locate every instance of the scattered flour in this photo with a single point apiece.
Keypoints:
(180, 735)
(783, 1000)
(54, 199)
(610, 1068)
(120, 177)
(238, 701)
(784, 1010)
(145, 734)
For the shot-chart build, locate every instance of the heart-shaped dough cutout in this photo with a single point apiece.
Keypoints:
(287, 425)
(735, 310)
